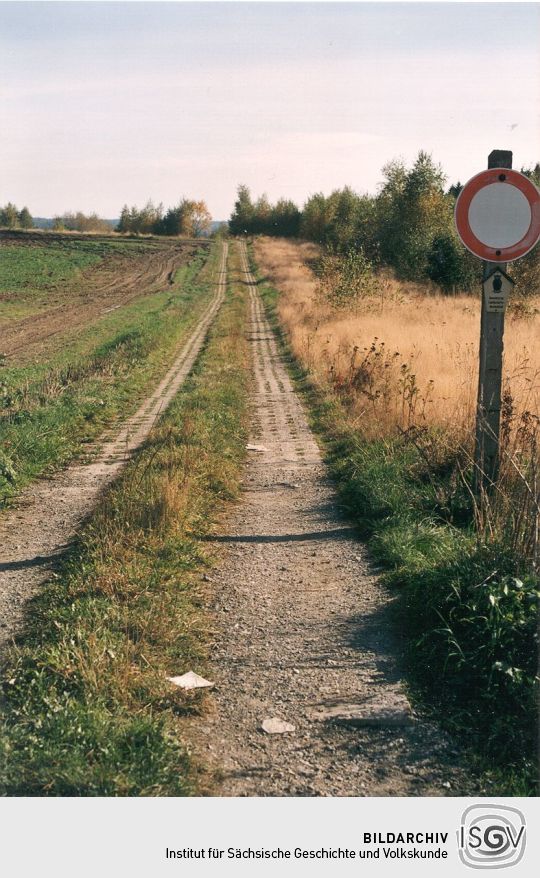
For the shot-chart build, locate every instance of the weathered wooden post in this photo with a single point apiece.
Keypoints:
(498, 219)
(488, 410)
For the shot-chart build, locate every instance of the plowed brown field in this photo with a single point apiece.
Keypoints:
(138, 267)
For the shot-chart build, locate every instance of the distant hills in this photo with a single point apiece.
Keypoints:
(216, 224)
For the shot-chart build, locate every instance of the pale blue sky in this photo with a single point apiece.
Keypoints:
(106, 103)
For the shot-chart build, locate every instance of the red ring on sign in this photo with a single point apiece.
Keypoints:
(461, 215)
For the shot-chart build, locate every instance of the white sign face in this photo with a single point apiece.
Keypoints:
(499, 215)
(497, 289)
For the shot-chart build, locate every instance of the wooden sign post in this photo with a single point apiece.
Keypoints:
(488, 411)
(498, 219)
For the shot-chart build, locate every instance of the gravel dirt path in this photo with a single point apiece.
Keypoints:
(35, 533)
(304, 631)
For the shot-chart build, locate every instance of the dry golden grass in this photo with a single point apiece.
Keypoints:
(416, 357)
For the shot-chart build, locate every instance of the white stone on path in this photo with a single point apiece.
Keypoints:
(275, 726)
(191, 680)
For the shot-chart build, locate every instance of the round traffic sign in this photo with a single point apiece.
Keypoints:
(498, 215)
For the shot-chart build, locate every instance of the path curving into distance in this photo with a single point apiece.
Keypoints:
(35, 533)
(304, 630)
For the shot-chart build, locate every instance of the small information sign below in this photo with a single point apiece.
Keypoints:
(497, 289)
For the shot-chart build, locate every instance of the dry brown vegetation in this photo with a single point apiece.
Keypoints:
(408, 355)
(405, 360)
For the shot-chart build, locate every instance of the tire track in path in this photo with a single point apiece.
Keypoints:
(36, 532)
(303, 627)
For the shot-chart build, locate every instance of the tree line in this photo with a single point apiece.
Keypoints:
(259, 217)
(188, 218)
(13, 218)
(80, 222)
(408, 225)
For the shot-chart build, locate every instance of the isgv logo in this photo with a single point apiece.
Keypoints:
(491, 836)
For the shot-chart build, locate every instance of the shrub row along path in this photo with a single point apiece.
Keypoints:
(47, 515)
(303, 630)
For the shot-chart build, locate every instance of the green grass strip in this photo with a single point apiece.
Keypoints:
(88, 709)
(48, 410)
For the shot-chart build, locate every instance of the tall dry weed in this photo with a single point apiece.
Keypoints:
(407, 360)
(411, 348)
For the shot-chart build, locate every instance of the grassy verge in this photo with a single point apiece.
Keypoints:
(88, 709)
(48, 409)
(469, 606)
